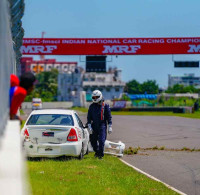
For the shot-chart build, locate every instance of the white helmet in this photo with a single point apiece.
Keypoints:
(96, 96)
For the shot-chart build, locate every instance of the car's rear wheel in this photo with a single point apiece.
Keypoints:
(80, 157)
(33, 158)
(87, 152)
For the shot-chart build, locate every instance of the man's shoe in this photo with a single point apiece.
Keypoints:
(95, 155)
(100, 157)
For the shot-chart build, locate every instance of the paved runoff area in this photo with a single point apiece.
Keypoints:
(179, 169)
(149, 131)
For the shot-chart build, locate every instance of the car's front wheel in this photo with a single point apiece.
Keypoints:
(80, 157)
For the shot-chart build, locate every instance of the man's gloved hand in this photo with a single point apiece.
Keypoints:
(109, 129)
(90, 130)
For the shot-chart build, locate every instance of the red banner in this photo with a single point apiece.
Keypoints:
(110, 46)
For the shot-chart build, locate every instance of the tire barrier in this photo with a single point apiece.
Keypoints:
(154, 109)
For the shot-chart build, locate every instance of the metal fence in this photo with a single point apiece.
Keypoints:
(17, 12)
(11, 35)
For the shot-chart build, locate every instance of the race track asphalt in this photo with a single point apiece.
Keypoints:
(179, 169)
(149, 131)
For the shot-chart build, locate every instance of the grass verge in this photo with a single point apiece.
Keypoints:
(90, 176)
(195, 115)
(80, 109)
(21, 112)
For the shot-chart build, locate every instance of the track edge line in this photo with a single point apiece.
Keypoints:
(152, 177)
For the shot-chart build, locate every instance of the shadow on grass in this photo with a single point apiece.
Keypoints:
(61, 158)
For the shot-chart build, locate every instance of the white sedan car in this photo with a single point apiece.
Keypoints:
(54, 133)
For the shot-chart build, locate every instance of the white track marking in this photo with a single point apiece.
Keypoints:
(152, 177)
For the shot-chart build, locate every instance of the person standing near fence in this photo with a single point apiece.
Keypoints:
(18, 91)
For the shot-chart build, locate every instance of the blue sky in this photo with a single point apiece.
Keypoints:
(118, 19)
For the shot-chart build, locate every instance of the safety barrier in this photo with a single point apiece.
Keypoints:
(17, 11)
(12, 174)
(7, 61)
(11, 34)
(156, 109)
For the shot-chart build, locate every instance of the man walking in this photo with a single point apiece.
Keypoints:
(99, 115)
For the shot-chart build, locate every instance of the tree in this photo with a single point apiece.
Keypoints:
(46, 86)
(191, 89)
(181, 89)
(133, 87)
(149, 86)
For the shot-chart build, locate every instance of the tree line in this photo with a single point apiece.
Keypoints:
(134, 87)
(46, 87)
(151, 87)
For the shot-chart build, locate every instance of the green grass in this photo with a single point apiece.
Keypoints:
(187, 115)
(90, 176)
(21, 112)
(81, 109)
(22, 124)
(143, 113)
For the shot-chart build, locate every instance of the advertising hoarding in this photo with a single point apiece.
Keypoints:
(110, 46)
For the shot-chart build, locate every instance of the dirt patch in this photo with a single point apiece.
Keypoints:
(91, 167)
(138, 150)
(81, 173)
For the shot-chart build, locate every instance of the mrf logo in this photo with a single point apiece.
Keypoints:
(194, 49)
(34, 49)
(121, 48)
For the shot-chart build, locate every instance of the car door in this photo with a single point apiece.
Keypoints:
(84, 132)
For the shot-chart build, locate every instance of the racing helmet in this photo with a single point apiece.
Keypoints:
(96, 96)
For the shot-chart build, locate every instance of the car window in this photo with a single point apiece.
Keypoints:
(80, 124)
(79, 120)
(51, 119)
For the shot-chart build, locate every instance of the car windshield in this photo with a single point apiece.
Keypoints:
(51, 119)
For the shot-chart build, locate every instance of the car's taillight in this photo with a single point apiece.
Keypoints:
(26, 135)
(72, 137)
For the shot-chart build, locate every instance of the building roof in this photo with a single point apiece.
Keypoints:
(97, 83)
(45, 61)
